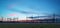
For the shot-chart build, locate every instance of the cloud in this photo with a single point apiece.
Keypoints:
(12, 14)
(21, 11)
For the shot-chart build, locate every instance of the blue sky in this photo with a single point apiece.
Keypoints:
(26, 8)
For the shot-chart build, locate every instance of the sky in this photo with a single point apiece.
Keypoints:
(27, 8)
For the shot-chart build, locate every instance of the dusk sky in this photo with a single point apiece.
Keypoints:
(26, 8)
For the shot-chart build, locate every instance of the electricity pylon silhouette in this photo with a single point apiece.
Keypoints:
(54, 18)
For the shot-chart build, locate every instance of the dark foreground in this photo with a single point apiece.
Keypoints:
(27, 25)
(42, 24)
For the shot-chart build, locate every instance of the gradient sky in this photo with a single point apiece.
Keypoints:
(26, 8)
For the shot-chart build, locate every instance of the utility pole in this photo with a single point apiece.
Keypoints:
(54, 18)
